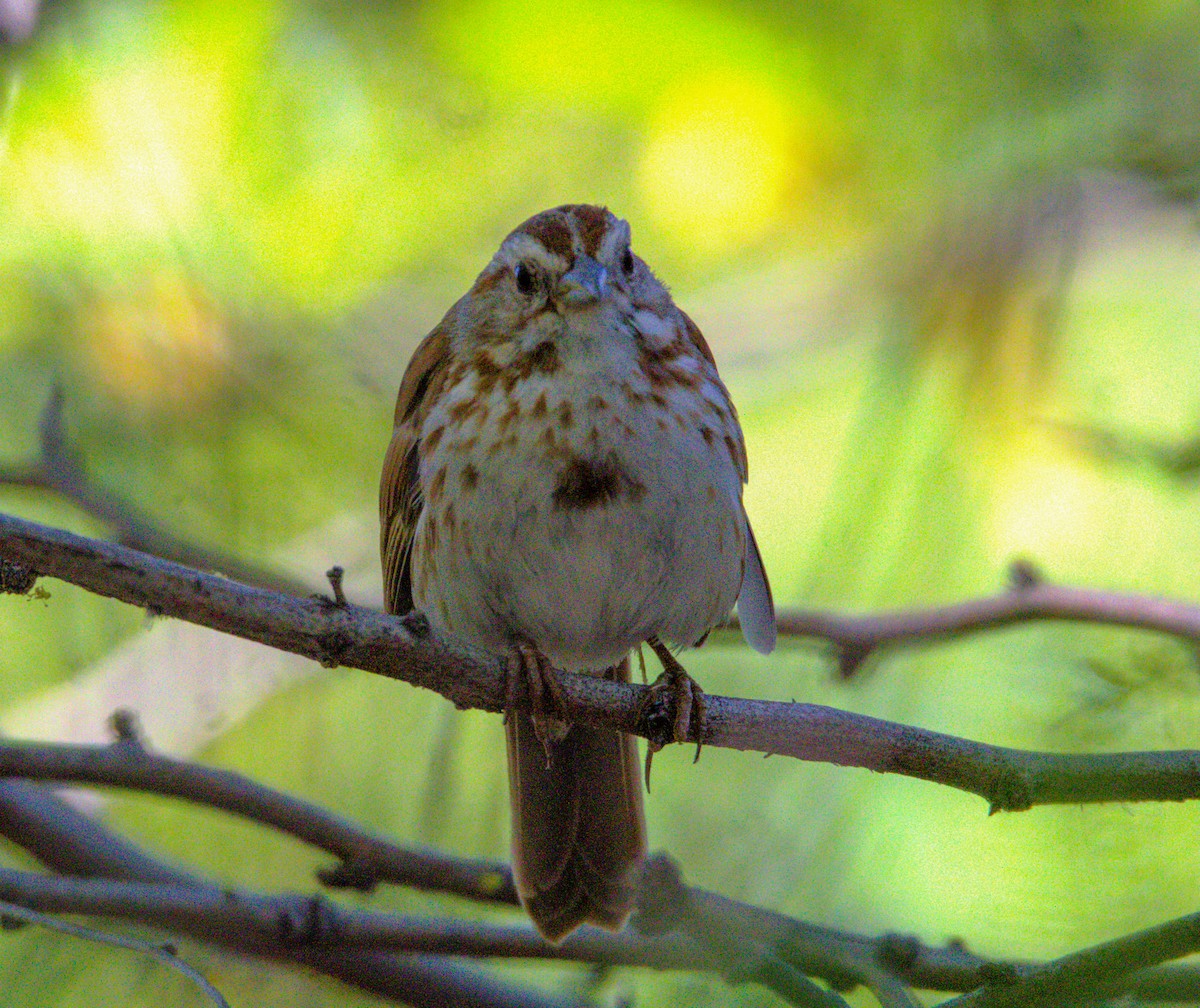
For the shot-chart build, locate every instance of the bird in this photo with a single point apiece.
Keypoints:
(563, 484)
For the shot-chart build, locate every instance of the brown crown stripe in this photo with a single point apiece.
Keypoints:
(552, 232)
(592, 222)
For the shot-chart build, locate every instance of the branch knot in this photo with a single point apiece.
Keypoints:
(16, 579)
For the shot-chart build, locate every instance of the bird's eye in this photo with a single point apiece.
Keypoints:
(627, 261)
(524, 277)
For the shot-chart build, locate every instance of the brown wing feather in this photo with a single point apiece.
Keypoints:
(400, 497)
(756, 608)
(697, 337)
(737, 446)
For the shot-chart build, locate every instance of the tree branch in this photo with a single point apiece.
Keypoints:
(366, 858)
(66, 840)
(859, 638)
(59, 469)
(737, 941)
(403, 648)
(1101, 971)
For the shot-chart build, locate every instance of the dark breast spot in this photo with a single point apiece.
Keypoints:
(544, 358)
(590, 482)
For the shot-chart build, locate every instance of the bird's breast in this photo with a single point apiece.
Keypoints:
(584, 511)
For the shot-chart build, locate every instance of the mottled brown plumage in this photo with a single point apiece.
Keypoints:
(564, 482)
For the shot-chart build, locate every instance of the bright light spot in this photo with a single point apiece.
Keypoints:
(1047, 507)
(719, 163)
(131, 158)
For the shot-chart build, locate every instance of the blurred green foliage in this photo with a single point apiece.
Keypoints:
(929, 236)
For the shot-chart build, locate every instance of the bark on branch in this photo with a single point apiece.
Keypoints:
(403, 648)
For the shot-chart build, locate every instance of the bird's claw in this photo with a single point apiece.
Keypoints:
(528, 669)
(677, 696)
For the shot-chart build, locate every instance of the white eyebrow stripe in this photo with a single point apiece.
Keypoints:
(522, 246)
(618, 236)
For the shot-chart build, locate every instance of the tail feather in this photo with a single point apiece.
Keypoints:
(756, 609)
(579, 834)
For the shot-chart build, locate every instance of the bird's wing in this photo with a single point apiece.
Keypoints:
(400, 496)
(756, 609)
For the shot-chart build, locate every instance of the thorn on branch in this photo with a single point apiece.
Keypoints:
(851, 656)
(333, 646)
(1009, 793)
(898, 953)
(16, 579)
(416, 623)
(334, 575)
(125, 728)
(1024, 575)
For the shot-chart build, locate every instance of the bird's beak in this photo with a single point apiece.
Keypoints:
(587, 281)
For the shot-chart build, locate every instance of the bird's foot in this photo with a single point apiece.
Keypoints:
(527, 669)
(675, 700)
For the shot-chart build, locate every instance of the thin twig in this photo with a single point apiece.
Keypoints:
(404, 648)
(66, 840)
(163, 955)
(1100, 971)
(859, 638)
(366, 857)
(59, 468)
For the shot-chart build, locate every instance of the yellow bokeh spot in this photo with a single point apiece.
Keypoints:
(163, 345)
(1042, 503)
(719, 163)
(130, 158)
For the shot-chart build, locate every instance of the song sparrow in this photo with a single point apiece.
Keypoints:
(563, 483)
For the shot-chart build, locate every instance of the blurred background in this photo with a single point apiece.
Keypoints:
(946, 255)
